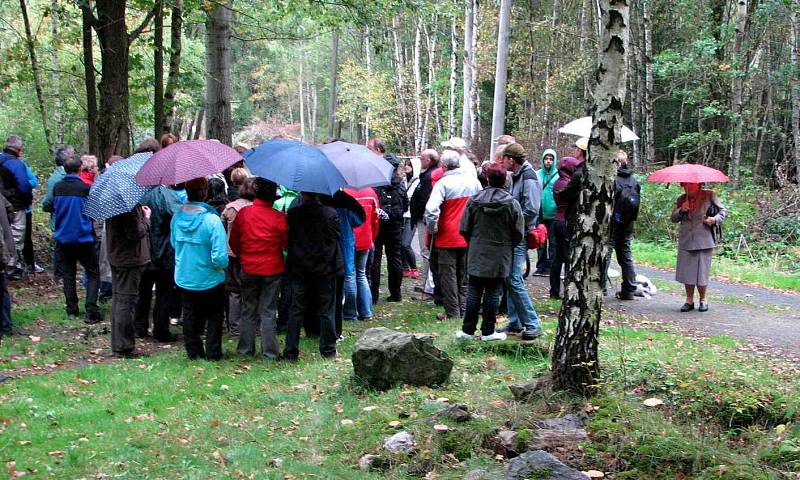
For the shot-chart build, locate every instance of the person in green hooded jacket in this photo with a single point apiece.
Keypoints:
(548, 175)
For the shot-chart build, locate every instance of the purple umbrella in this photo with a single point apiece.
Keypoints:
(183, 161)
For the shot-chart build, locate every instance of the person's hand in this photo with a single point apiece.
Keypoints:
(710, 221)
(382, 214)
(146, 212)
(686, 206)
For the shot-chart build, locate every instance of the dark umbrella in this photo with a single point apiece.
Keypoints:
(183, 161)
(115, 191)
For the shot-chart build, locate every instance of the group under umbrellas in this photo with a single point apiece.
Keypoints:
(292, 164)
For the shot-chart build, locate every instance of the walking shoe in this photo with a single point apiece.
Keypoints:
(166, 338)
(541, 273)
(444, 316)
(4, 377)
(93, 319)
(496, 336)
(37, 268)
(531, 333)
(687, 307)
(703, 307)
(394, 299)
(407, 274)
(464, 336)
(414, 273)
(624, 296)
(511, 330)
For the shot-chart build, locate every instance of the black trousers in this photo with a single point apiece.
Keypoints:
(339, 307)
(389, 239)
(164, 281)
(545, 253)
(325, 312)
(621, 236)
(27, 247)
(70, 254)
(408, 257)
(486, 292)
(203, 311)
(562, 239)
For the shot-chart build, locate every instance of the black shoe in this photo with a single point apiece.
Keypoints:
(4, 378)
(624, 296)
(703, 307)
(509, 330)
(93, 319)
(394, 299)
(419, 289)
(128, 355)
(166, 338)
(531, 333)
(555, 296)
(142, 335)
(687, 307)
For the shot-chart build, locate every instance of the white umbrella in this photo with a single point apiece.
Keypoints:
(582, 127)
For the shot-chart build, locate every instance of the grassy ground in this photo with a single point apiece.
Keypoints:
(741, 271)
(726, 415)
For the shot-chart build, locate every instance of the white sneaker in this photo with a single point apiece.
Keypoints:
(464, 336)
(496, 336)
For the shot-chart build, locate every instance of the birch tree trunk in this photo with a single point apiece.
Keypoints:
(89, 77)
(475, 134)
(333, 130)
(37, 75)
(575, 361)
(368, 57)
(795, 84)
(418, 120)
(451, 104)
(218, 70)
(740, 64)
(175, 46)
(399, 67)
(300, 97)
(647, 31)
(500, 76)
(467, 109)
(432, 100)
(547, 65)
(56, 74)
(158, 70)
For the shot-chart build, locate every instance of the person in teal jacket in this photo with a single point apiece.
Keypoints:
(548, 175)
(201, 258)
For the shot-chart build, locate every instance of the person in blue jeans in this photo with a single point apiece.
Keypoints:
(527, 190)
(357, 294)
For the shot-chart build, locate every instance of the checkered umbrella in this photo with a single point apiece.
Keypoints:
(115, 191)
(183, 161)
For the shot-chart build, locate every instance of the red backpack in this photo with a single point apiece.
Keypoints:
(537, 236)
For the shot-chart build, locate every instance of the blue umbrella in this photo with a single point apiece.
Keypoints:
(115, 191)
(295, 165)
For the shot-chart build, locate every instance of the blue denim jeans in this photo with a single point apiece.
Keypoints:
(357, 295)
(521, 313)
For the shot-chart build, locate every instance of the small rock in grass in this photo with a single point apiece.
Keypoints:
(400, 442)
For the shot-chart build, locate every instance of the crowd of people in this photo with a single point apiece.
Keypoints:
(237, 254)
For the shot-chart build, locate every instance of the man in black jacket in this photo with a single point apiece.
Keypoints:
(626, 207)
(394, 203)
(314, 261)
(429, 162)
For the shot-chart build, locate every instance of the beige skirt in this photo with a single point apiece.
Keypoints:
(694, 266)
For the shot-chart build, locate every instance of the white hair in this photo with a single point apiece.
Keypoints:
(451, 159)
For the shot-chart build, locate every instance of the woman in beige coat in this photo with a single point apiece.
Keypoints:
(696, 240)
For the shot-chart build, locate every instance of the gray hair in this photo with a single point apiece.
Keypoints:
(451, 159)
(13, 142)
(62, 154)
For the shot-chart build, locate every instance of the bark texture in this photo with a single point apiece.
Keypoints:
(500, 75)
(574, 362)
(218, 71)
(37, 74)
(89, 78)
(158, 70)
(175, 46)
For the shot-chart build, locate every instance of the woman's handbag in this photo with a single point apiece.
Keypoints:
(716, 230)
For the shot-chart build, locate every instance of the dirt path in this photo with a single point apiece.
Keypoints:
(763, 317)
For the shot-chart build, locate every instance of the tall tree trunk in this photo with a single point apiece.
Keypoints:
(55, 13)
(500, 75)
(218, 71)
(585, 19)
(300, 97)
(633, 80)
(37, 75)
(313, 120)
(334, 129)
(467, 109)
(547, 66)
(647, 31)
(418, 126)
(795, 85)
(113, 129)
(737, 90)
(399, 68)
(175, 48)
(158, 70)
(198, 123)
(575, 361)
(368, 58)
(433, 98)
(89, 78)
(451, 104)
(475, 134)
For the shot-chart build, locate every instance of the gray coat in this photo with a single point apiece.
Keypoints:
(693, 234)
(527, 190)
(493, 225)
(7, 249)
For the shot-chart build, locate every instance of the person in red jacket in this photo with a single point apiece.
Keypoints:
(357, 295)
(258, 237)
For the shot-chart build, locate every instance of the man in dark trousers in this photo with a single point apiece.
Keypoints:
(314, 261)
(626, 209)
(429, 161)
(393, 204)
(18, 191)
(75, 240)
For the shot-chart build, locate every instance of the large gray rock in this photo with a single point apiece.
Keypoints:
(400, 442)
(537, 464)
(383, 358)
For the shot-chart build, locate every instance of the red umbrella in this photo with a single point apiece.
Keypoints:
(183, 161)
(687, 173)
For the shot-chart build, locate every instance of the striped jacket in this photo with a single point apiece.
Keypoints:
(446, 206)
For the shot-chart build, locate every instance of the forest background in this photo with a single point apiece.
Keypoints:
(712, 81)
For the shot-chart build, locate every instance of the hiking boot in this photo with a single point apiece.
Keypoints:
(510, 330)
(464, 336)
(413, 273)
(703, 307)
(687, 307)
(93, 319)
(531, 333)
(495, 337)
(169, 338)
(37, 268)
(406, 273)
(394, 299)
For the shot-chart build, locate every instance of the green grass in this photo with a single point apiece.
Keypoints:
(741, 271)
(168, 417)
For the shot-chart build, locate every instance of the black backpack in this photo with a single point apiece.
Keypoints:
(627, 207)
(393, 201)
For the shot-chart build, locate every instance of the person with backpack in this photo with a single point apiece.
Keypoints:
(18, 190)
(627, 198)
(393, 203)
(548, 175)
(526, 190)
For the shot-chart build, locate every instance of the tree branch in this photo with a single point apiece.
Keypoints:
(138, 30)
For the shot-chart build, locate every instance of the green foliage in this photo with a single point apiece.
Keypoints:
(369, 95)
